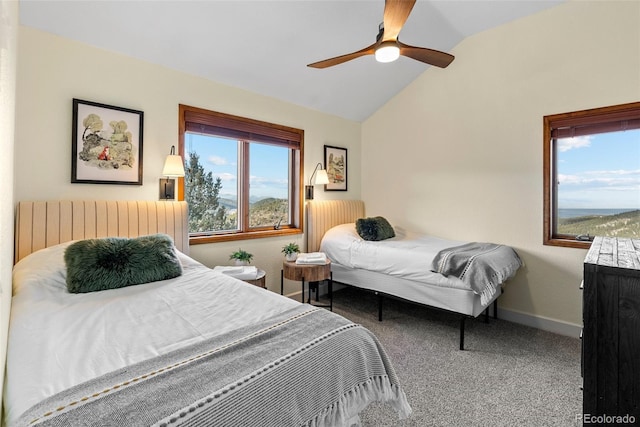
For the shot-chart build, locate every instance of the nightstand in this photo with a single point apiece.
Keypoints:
(231, 272)
(309, 273)
(260, 279)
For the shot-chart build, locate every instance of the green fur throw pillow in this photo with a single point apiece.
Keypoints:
(115, 262)
(374, 229)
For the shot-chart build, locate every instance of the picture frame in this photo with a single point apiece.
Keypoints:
(335, 163)
(106, 144)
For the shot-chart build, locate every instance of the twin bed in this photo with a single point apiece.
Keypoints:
(199, 349)
(401, 266)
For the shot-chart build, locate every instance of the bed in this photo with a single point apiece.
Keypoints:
(382, 266)
(198, 348)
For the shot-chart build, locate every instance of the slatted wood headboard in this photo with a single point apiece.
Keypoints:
(47, 223)
(324, 214)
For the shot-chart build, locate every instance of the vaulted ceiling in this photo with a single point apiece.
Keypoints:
(263, 46)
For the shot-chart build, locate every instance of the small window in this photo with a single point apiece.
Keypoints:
(242, 176)
(592, 175)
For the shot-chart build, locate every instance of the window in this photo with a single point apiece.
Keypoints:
(592, 175)
(243, 177)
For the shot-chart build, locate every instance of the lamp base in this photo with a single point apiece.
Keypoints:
(167, 189)
(308, 192)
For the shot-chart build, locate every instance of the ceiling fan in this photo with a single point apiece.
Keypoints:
(387, 47)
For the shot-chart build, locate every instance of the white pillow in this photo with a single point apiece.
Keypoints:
(44, 267)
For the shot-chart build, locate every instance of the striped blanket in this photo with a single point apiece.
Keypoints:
(306, 367)
(481, 266)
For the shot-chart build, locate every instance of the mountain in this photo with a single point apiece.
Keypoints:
(626, 224)
(264, 211)
(268, 211)
(229, 204)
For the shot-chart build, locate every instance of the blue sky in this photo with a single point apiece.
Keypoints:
(269, 165)
(600, 171)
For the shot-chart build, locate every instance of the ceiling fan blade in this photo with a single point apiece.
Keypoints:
(396, 13)
(428, 56)
(369, 50)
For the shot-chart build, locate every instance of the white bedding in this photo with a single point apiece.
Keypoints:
(180, 311)
(408, 255)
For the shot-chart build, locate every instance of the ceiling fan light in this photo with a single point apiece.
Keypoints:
(387, 52)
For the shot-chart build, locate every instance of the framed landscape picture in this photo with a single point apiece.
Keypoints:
(106, 144)
(335, 163)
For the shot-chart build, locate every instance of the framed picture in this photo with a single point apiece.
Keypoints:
(106, 144)
(335, 163)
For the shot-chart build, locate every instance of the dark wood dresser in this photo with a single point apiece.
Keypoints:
(611, 336)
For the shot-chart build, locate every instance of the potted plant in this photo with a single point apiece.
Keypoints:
(242, 257)
(291, 251)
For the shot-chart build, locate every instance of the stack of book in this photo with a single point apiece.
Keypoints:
(243, 272)
(318, 258)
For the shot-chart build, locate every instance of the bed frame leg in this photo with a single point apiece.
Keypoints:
(379, 306)
(486, 315)
(495, 308)
(462, 319)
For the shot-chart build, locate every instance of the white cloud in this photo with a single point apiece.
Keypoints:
(218, 161)
(607, 177)
(268, 187)
(566, 144)
(570, 179)
(227, 177)
(266, 182)
(614, 172)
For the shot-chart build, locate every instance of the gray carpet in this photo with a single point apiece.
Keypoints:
(508, 375)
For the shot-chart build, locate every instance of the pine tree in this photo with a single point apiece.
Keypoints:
(201, 193)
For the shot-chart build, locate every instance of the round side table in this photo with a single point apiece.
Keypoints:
(259, 280)
(309, 273)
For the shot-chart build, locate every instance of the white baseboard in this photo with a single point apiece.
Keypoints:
(540, 322)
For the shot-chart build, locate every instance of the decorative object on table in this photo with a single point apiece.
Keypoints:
(335, 161)
(291, 251)
(320, 178)
(173, 168)
(106, 144)
(247, 273)
(312, 258)
(242, 272)
(241, 257)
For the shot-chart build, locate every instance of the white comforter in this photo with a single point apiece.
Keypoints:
(167, 314)
(408, 255)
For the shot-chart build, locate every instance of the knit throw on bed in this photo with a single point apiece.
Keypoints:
(481, 266)
(304, 367)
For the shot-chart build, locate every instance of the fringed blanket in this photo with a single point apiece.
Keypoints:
(481, 266)
(306, 367)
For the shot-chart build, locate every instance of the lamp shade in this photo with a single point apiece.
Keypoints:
(321, 177)
(173, 166)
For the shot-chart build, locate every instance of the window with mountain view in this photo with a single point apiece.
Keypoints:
(242, 177)
(592, 175)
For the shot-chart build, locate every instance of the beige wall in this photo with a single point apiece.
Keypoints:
(466, 141)
(470, 162)
(53, 70)
(8, 53)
